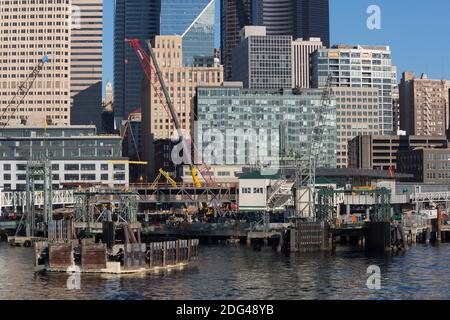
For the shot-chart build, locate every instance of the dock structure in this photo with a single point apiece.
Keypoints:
(202, 230)
(95, 258)
(373, 207)
(94, 207)
(62, 252)
(309, 236)
(185, 194)
(375, 231)
(147, 194)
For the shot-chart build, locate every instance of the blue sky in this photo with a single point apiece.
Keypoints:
(416, 31)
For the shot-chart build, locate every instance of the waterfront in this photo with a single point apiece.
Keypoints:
(237, 272)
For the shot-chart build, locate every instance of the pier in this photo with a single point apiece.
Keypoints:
(381, 217)
(89, 257)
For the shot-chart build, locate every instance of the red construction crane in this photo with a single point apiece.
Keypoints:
(154, 75)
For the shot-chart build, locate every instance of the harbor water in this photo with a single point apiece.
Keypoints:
(237, 272)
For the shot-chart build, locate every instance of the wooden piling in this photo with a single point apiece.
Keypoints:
(164, 253)
(439, 225)
(189, 249)
(177, 251)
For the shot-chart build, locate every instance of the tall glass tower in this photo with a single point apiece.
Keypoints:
(133, 19)
(194, 21)
(313, 20)
(298, 18)
(234, 15)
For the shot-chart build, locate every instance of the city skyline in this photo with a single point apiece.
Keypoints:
(348, 25)
(244, 150)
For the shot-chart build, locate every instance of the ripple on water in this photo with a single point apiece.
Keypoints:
(239, 273)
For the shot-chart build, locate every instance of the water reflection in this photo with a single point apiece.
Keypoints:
(240, 273)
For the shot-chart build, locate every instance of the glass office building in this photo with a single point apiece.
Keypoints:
(292, 116)
(194, 21)
(312, 20)
(297, 18)
(234, 15)
(133, 19)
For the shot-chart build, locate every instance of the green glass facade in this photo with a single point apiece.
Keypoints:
(292, 115)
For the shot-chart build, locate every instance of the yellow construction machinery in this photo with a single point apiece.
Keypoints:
(166, 175)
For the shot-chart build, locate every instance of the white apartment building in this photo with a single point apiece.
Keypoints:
(358, 66)
(79, 156)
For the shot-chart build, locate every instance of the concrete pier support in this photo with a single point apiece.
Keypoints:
(427, 236)
(310, 237)
(378, 236)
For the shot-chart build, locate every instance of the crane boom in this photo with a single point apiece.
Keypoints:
(22, 92)
(308, 163)
(153, 73)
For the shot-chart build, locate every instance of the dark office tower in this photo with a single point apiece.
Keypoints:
(297, 18)
(312, 20)
(276, 15)
(133, 19)
(235, 14)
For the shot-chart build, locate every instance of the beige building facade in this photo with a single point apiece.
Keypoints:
(30, 30)
(424, 105)
(379, 152)
(182, 83)
(357, 113)
(301, 52)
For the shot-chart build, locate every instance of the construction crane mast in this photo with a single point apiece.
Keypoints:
(154, 75)
(22, 93)
(307, 164)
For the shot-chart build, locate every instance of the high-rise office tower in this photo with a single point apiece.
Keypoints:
(357, 113)
(30, 30)
(194, 21)
(312, 20)
(235, 14)
(133, 19)
(301, 53)
(297, 18)
(424, 105)
(86, 62)
(276, 15)
(358, 67)
(261, 61)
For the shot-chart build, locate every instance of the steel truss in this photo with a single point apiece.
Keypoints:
(326, 208)
(37, 170)
(124, 204)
